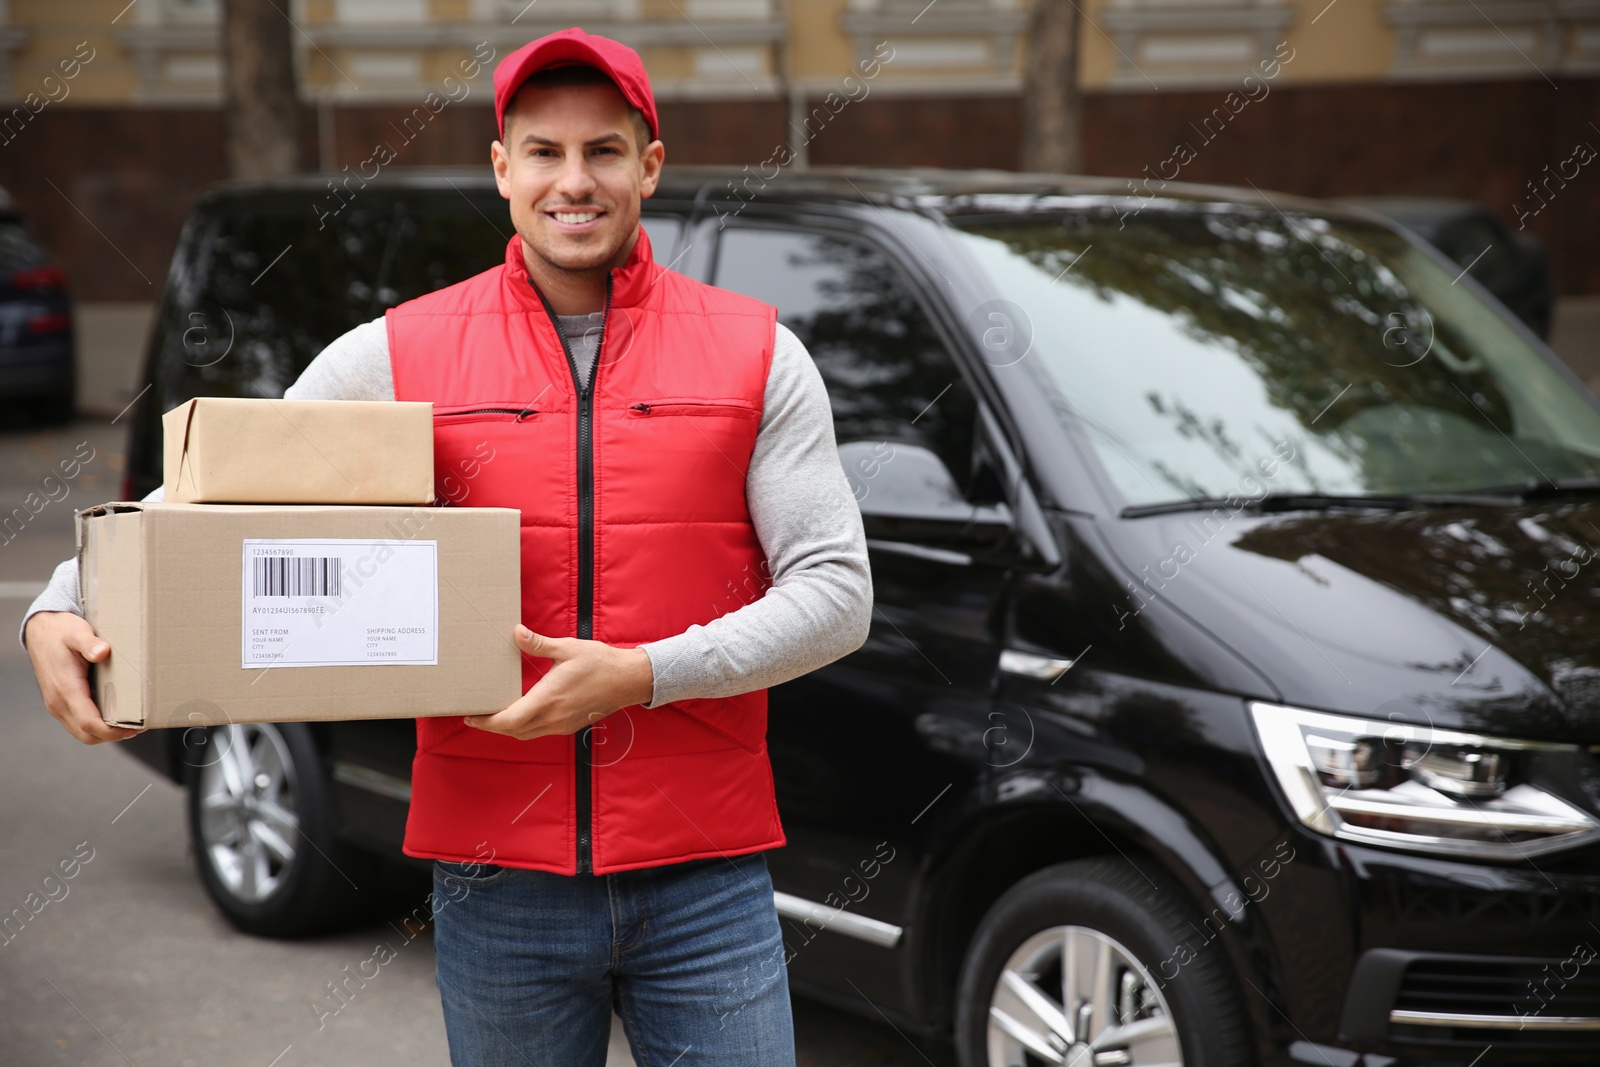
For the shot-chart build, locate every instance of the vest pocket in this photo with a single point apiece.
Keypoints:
(447, 735)
(433, 730)
(741, 719)
(456, 414)
(467, 438)
(671, 406)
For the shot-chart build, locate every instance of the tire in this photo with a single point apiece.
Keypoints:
(1104, 913)
(59, 408)
(262, 827)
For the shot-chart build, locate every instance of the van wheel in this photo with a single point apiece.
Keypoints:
(59, 407)
(261, 824)
(1064, 970)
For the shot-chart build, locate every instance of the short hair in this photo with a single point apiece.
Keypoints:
(574, 74)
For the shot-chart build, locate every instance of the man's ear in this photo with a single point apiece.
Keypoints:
(500, 163)
(655, 154)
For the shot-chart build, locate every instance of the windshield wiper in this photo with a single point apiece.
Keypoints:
(1542, 488)
(1279, 502)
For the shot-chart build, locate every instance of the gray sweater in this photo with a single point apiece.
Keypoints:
(820, 604)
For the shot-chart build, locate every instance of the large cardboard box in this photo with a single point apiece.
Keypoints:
(222, 450)
(230, 613)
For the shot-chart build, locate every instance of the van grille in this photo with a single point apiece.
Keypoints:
(1545, 1003)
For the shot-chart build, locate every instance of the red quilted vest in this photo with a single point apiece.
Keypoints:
(634, 528)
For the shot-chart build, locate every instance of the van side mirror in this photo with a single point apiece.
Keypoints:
(908, 495)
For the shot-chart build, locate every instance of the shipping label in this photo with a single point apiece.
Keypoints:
(330, 602)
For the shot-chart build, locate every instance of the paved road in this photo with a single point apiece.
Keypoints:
(126, 962)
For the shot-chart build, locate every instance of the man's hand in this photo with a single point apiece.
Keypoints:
(61, 646)
(588, 681)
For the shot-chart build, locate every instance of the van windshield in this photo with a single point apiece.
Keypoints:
(1209, 352)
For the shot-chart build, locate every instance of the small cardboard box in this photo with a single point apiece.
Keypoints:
(237, 450)
(232, 613)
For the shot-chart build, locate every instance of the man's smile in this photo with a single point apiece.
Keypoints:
(575, 221)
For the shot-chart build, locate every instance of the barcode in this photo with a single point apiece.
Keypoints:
(296, 576)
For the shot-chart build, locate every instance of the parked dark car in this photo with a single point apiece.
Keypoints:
(38, 371)
(1513, 266)
(1232, 693)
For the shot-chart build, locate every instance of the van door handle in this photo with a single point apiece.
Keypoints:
(935, 555)
(1029, 665)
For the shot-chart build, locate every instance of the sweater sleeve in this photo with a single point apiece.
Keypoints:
(354, 366)
(819, 606)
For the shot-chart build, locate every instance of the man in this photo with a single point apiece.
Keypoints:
(688, 539)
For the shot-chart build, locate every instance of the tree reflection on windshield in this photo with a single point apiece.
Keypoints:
(1201, 338)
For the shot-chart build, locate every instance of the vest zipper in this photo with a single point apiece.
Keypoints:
(582, 754)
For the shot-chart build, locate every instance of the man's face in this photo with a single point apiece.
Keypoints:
(573, 173)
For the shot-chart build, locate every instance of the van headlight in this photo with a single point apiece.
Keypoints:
(1424, 789)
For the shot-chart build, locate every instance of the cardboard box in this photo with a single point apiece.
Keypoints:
(220, 613)
(220, 450)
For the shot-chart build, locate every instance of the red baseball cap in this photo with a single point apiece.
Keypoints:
(568, 47)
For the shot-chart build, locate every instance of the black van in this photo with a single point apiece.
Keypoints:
(1232, 693)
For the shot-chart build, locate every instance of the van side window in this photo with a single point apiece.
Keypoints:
(888, 375)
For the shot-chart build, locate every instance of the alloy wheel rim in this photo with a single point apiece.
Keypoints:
(1070, 995)
(248, 810)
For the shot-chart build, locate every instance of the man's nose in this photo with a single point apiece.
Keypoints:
(576, 180)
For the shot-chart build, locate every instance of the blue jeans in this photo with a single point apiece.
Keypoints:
(689, 955)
